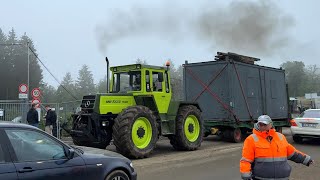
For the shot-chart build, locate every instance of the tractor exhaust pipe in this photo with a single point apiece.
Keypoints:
(107, 74)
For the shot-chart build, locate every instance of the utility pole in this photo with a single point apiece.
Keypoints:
(28, 68)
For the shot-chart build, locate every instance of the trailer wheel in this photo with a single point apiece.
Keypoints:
(135, 132)
(236, 135)
(189, 129)
(233, 135)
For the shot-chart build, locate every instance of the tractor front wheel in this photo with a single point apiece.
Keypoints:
(189, 129)
(135, 132)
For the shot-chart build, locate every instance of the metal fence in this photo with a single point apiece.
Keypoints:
(16, 111)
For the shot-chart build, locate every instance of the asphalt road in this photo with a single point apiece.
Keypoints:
(215, 160)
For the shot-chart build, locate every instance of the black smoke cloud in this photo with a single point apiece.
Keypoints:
(258, 27)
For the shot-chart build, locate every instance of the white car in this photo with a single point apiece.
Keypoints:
(306, 125)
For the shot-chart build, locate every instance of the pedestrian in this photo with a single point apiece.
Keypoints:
(51, 119)
(32, 116)
(265, 153)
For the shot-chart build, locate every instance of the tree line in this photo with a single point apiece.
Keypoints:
(301, 79)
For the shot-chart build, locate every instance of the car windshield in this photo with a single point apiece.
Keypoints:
(310, 114)
(126, 81)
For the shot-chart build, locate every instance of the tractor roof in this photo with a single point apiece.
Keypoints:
(135, 67)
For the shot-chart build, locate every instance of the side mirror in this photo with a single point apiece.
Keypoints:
(70, 153)
(160, 77)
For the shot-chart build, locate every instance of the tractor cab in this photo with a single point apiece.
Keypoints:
(144, 82)
(138, 78)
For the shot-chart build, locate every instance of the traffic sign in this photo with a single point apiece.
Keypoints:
(36, 101)
(36, 93)
(23, 88)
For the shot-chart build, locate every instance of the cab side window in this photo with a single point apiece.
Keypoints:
(157, 84)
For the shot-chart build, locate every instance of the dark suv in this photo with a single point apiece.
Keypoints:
(27, 152)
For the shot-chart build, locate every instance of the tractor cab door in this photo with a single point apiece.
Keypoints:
(161, 90)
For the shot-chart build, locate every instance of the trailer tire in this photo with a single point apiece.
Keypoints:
(236, 135)
(189, 129)
(135, 132)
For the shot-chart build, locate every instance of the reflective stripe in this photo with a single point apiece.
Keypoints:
(270, 159)
(255, 137)
(280, 136)
(246, 175)
(244, 159)
(272, 178)
(306, 160)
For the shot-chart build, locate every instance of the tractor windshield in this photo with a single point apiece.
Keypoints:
(126, 81)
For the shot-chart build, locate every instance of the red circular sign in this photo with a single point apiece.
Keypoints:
(23, 88)
(36, 93)
(36, 101)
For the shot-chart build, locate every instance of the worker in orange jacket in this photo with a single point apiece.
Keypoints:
(265, 153)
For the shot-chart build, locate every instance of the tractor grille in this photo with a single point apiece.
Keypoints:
(88, 102)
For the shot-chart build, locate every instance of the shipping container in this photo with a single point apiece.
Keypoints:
(233, 92)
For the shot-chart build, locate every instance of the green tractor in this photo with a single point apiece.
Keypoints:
(137, 110)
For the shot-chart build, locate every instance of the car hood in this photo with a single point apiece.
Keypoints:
(91, 155)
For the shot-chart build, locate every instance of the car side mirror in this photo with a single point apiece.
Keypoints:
(70, 153)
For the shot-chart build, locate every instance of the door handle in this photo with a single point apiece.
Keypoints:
(25, 169)
(163, 96)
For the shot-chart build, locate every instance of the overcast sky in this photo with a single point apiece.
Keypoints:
(68, 34)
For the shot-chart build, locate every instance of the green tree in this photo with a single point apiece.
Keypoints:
(14, 65)
(48, 93)
(296, 77)
(313, 79)
(176, 81)
(141, 61)
(102, 85)
(85, 83)
(67, 83)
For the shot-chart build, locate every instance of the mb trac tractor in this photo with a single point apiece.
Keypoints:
(137, 110)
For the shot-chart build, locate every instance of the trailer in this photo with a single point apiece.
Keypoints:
(233, 92)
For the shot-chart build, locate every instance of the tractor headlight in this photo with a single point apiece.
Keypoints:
(131, 165)
(138, 66)
(104, 123)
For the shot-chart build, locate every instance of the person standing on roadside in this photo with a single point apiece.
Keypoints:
(265, 153)
(32, 116)
(51, 119)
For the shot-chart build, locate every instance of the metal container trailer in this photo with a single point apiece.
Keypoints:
(233, 92)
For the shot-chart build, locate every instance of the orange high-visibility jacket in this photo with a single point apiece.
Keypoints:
(265, 154)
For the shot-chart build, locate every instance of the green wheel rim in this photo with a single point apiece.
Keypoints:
(192, 128)
(141, 132)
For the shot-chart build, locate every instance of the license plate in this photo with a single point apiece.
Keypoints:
(313, 125)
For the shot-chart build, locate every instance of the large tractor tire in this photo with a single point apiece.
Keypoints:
(135, 132)
(189, 129)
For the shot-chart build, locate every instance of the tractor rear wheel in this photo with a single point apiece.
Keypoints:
(135, 132)
(189, 129)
